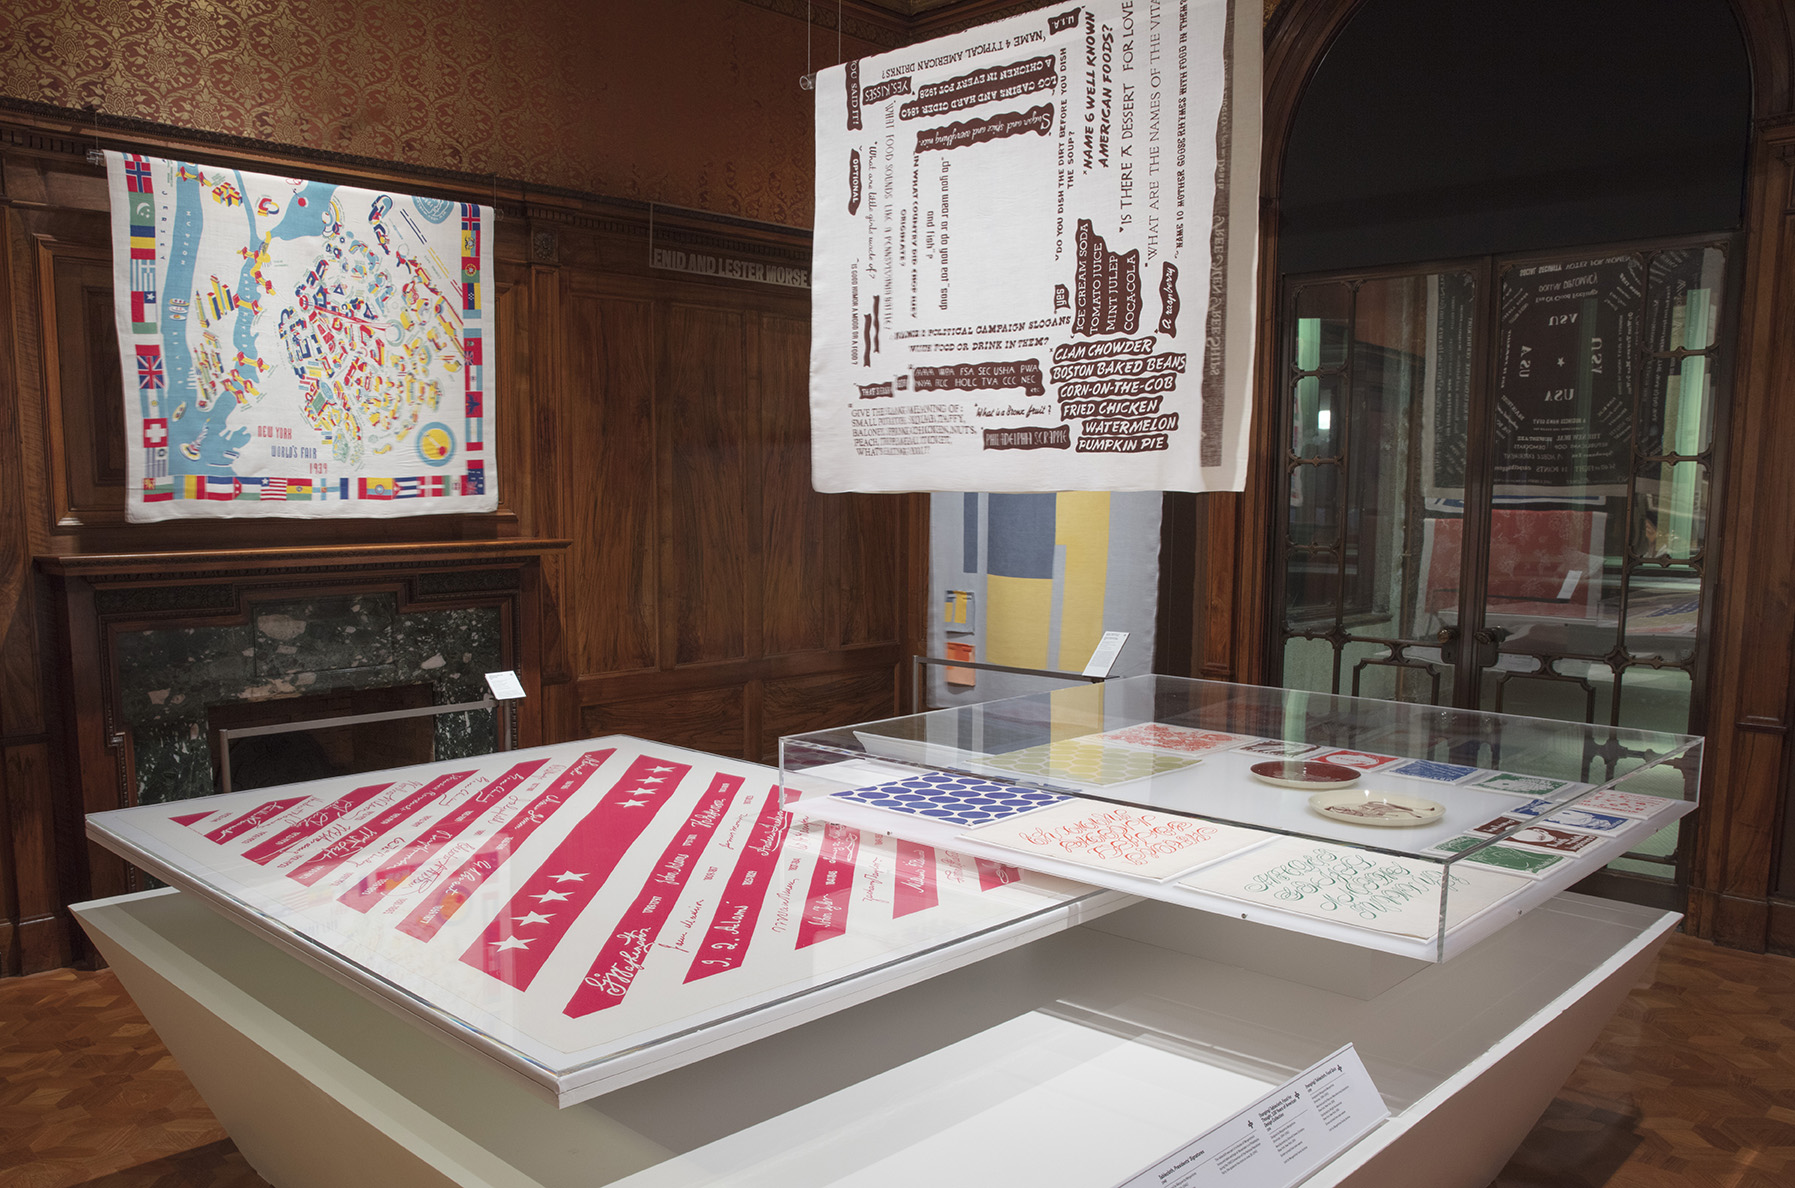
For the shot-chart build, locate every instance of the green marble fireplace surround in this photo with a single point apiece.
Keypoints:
(160, 649)
(169, 677)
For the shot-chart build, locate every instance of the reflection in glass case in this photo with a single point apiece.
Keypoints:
(1415, 830)
(1501, 476)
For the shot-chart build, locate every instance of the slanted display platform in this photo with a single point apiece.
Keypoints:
(1070, 1062)
(619, 962)
(590, 913)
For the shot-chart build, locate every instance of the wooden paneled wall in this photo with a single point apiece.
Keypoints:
(694, 103)
(743, 605)
(657, 419)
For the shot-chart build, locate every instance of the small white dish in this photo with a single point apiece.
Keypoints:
(1368, 806)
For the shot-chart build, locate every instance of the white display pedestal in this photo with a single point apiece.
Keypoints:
(1072, 1061)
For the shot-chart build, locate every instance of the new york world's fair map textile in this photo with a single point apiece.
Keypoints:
(298, 348)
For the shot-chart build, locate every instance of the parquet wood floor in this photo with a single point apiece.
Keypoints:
(89, 1096)
(1691, 1086)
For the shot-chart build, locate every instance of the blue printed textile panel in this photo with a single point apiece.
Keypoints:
(299, 348)
(955, 799)
(1440, 773)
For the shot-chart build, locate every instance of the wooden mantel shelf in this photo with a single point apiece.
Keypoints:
(225, 561)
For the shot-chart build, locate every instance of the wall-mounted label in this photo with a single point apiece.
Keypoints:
(1104, 658)
(504, 685)
(729, 268)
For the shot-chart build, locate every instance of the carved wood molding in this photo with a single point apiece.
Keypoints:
(41, 129)
(213, 564)
(691, 678)
(959, 17)
(858, 19)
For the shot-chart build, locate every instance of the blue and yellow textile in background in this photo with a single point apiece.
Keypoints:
(1034, 580)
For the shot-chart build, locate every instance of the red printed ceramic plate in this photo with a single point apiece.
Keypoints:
(1309, 774)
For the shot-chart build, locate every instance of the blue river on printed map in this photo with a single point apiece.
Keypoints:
(298, 222)
(243, 336)
(307, 220)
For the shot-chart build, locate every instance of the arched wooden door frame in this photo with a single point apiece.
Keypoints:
(1751, 688)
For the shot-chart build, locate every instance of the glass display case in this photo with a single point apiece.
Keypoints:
(1411, 829)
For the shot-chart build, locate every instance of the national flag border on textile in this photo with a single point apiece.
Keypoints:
(263, 375)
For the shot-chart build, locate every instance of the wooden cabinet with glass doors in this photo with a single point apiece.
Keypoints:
(1499, 477)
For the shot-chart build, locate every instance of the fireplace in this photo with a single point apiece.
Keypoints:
(176, 682)
(162, 651)
(306, 742)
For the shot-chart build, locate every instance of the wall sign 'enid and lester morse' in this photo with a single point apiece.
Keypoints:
(1035, 255)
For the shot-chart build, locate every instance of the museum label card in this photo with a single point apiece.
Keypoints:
(1359, 888)
(1119, 838)
(1178, 739)
(1104, 658)
(504, 685)
(1283, 1137)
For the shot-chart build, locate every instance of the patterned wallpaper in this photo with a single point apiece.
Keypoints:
(690, 102)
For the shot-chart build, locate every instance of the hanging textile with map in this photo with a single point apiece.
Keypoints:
(295, 348)
(1036, 254)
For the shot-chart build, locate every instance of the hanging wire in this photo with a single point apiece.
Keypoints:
(95, 155)
(807, 80)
